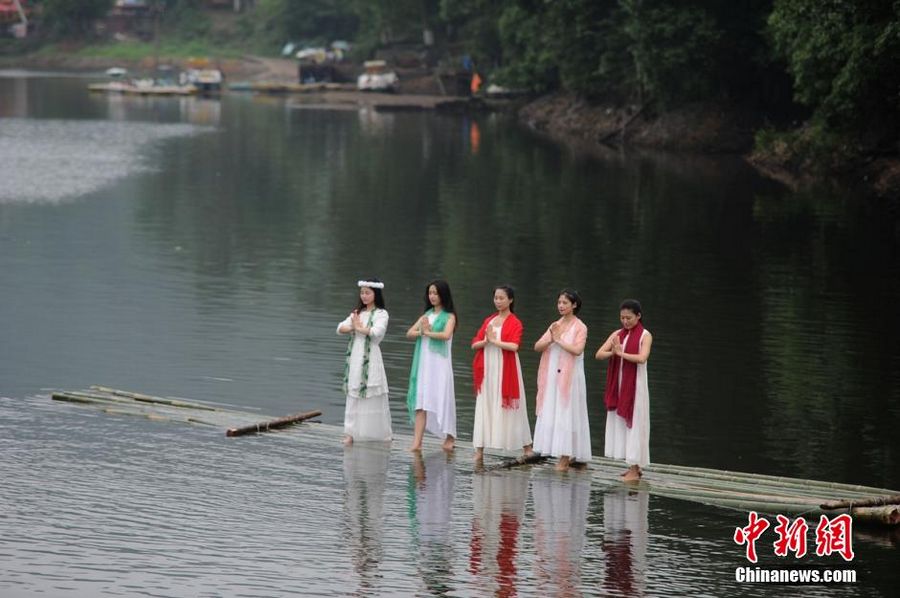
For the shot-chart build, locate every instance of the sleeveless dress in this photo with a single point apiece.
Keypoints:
(496, 427)
(435, 392)
(631, 444)
(562, 427)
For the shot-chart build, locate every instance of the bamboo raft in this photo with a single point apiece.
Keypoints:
(765, 494)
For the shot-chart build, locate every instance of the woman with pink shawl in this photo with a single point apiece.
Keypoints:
(562, 428)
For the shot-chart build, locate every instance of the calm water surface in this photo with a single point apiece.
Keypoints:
(207, 249)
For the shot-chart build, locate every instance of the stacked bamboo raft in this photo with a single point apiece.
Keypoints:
(123, 402)
(726, 489)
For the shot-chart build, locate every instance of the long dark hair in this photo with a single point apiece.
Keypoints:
(511, 293)
(379, 295)
(573, 296)
(443, 291)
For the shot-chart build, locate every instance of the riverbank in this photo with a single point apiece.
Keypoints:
(710, 128)
(700, 127)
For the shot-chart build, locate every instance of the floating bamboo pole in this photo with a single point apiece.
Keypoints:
(876, 501)
(880, 515)
(81, 397)
(156, 400)
(273, 424)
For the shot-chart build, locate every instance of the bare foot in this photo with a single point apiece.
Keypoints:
(449, 444)
(479, 455)
(415, 449)
(632, 475)
(348, 440)
(563, 464)
(527, 451)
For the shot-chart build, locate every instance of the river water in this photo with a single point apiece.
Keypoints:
(207, 249)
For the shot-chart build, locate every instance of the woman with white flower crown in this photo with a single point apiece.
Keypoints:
(367, 415)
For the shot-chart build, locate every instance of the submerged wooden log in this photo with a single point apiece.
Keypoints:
(876, 501)
(151, 399)
(273, 424)
(881, 515)
(510, 463)
(81, 397)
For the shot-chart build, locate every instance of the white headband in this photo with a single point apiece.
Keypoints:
(370, 284)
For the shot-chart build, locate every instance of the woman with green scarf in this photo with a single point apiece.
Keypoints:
(431, 398)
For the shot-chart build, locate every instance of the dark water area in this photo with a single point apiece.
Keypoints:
(206, 249)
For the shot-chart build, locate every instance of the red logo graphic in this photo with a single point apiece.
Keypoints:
(833, 535)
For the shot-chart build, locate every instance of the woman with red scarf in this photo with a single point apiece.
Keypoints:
(627, 395)
(501, 419)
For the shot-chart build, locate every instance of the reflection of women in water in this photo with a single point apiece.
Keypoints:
(560, 522)
(501, 419)
(367, 415)
(562, 428)
(432, 483)
(627, 395)
(499, 506)
(365, 474)
(624, 541)
(431, 398)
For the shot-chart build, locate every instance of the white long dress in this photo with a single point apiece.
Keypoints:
(434, 389)
(562, 427)
(631, 444)
(496, 427)
(369, 417)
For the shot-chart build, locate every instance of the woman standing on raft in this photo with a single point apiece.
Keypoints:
(562, 428)
(501, 418)
(431, 399)
(627, 395)
(367, 415)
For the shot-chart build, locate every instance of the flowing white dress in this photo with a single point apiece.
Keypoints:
(369, 417)
(434, 388)
(562, 427)
(495, 426)
(631, 444)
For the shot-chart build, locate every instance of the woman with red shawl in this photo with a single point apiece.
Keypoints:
(627, 394)
(501, 418)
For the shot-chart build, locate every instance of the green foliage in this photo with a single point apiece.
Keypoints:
(73, 18)
(317, 21)
(186, 20)
(670, 47)
(843, 59)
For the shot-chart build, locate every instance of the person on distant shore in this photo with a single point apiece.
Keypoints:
(501, 417)
(367, 415)
(627, 394)
(431, 398)
(562, 429)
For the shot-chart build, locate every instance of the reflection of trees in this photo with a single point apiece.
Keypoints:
(829, 352)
